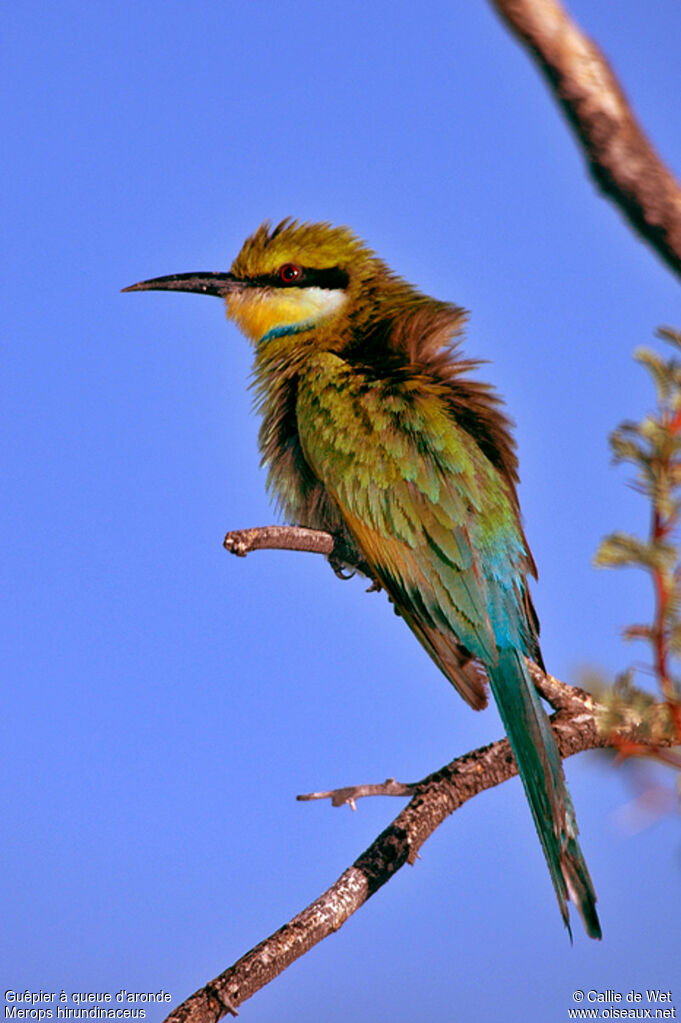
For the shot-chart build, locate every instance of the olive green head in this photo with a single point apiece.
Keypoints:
(313, 247)
(290, 279)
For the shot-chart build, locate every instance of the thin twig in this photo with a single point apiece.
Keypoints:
(282, 538)
(621, 159)
(344, 559)
(558, 694)
(350, 793)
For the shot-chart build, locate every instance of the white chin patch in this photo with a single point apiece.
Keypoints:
(318, 303)
(272, 312)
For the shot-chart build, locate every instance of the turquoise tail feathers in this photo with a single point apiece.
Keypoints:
(541, 771)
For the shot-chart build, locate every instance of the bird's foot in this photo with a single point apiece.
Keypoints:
(346, 561)
(340, 568)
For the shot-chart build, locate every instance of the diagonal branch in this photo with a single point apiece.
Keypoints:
(435, 797)
(621, 159)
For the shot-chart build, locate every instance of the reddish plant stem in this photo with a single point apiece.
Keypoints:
(662, 527)
(674, 425)
(660, 530)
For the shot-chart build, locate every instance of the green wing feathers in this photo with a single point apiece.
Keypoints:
(438, 523)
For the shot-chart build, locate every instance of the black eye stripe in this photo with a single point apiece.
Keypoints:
(331, 278)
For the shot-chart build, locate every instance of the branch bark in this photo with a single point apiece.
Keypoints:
(575, 724)
(282, 538)
(350, 793)
(437, 796)
(621, 159)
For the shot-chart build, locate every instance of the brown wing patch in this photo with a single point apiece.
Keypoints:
(466, 673)
(390, 559)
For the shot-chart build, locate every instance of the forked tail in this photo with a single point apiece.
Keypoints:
(541, 771)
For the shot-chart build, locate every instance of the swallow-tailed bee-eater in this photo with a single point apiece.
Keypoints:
(374, 430)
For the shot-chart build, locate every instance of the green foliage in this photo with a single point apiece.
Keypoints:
(618, 550)
(629, 710)
(653, 446)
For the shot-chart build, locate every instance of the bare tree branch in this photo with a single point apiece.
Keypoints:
(350, 793)
(278, 538)
(435, 797)
(620, 157)
(299, 538)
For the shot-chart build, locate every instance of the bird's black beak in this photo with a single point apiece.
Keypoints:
(219, 284)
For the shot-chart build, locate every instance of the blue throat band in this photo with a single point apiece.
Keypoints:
(291, 328)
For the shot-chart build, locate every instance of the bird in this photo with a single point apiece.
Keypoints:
(375, 429)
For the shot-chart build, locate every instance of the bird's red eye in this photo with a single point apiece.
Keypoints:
(289, 273)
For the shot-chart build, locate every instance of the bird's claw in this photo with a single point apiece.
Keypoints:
(340, 568)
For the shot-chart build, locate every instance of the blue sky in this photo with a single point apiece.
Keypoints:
(164, 702)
